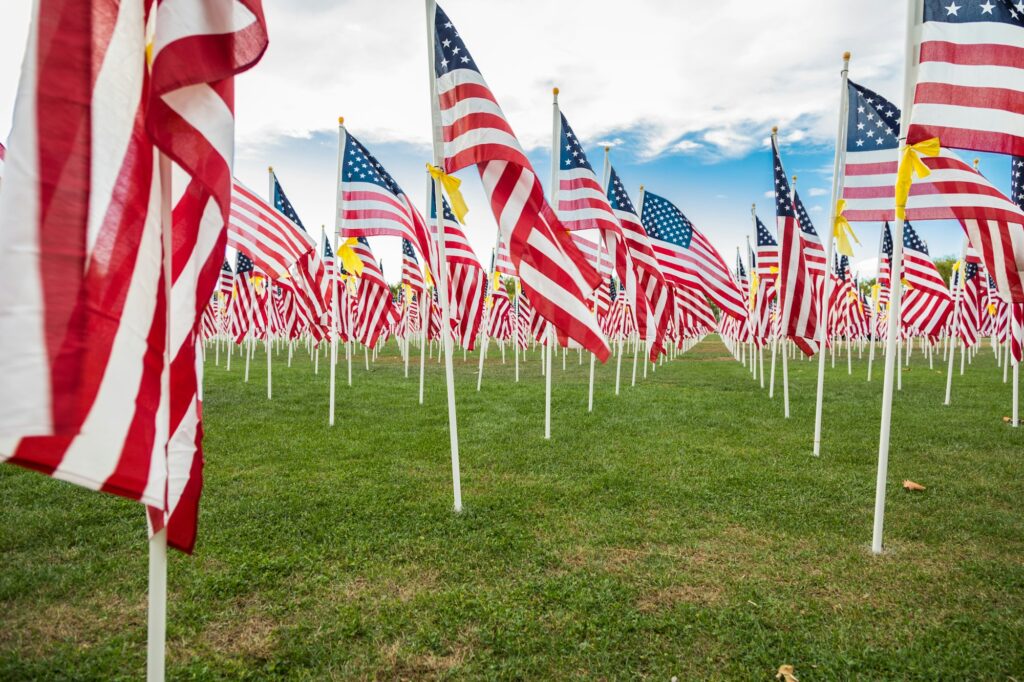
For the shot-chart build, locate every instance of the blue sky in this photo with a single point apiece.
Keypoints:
(685, 91)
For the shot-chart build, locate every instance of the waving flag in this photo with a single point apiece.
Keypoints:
(411, 274)
(84, 312)
(372, 204)
(970, 305)
(374, 308)
(814, 252)
(650, 278)
(499, 326)
(953, 191)
(970, 81)
(927, 305)
(552, 271)
(799, 320)
(467, 280)
(686, 256)
(226, 276)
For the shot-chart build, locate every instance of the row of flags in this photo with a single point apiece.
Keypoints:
(97, 339)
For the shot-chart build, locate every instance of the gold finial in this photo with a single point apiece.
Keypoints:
(641, 188)
(794, 177)
(270, 169)
(554, 91)
(341, 120)
(607, 147)
(775, 130)
(976, 162)
(846, 56)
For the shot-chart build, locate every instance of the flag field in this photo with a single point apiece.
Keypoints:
(681, 529)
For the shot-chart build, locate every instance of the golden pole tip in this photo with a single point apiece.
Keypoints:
(554, 91)
(341, 120)
(270, 169)
(775, 130)
(846, 56)
(641, 188)
(794, 177)
(607, 147)
(976, 162)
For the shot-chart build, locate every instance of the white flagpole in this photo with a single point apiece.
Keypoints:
(954, 327)
(556, 127)
(442, 274)
(487, 318)
(590, 390)
(335, 274)
(837, 192)
(156, 636)
(424, 321)
(269, 289)
(895, 273)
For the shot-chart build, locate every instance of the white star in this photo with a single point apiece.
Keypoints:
(1020, 6)
(987, 7)
(953, 9)
(446, 42)
(465, 60)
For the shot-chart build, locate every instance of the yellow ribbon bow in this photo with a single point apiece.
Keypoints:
(843, 231)
(906, 285)
(428, 278)
(497, 280)
(451, 184)
(408, 294)
(911, 165)
(753, 289)
(875, 290)
(348, 256)
(991, 309)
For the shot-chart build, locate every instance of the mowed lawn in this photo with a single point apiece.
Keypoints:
(682, 529)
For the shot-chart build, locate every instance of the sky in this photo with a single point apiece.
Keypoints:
(684, 92)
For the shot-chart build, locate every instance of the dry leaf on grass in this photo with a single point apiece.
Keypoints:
(786, 674)
(1006, 420)
(910, 485)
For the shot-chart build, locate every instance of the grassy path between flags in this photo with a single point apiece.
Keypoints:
(681, 529)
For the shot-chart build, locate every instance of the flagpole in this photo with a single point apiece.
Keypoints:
(636, 326)
(335, 274)
(895, 273)
(442, 274)
(156, 637)
(837, 193)
(958, 288)
(590, 389)
(486, 324)
(266, 307)
(556, 127)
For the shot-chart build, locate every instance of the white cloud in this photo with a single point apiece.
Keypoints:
(669, 74)
(770, 194)
(687, 146)
(818, 192)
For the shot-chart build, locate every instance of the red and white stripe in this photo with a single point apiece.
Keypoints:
(795, 289)
(970, 85)
(84, 210)
(552, 271)
(374, 309)
(274, 243)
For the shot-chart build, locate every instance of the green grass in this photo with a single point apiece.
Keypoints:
(682, 529)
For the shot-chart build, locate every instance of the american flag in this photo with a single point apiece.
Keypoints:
(467, 280)
(927, 305)
(970, 82)
(767, 252)
(741, 273)
(499, 326)
(650, 278)
(86, 313)
(814, 252)
(243, 298)
(503, 261)
(687, 258)
(374, 308)
(371, 203)
(411, 274)
(697, 316)
(312, 284)
(274, 242)
(1016, 322)
(794, 286)
(582, 204)
(226, 277)
(969, 322)
(523, 318)
(552, 271)
(953, 191)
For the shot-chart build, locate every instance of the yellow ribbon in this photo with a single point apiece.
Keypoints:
(773, 269)
(843, 231)
(911, 165)
(408, 294)
(906, 284)
(427, 277)
(497, 280)
(991, 309)
(348, 256)
(753, 289)
(957, 265)
(451, 186)
(875, 290)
